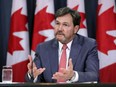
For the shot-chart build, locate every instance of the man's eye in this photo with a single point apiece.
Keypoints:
(65, 24)
(57, 23)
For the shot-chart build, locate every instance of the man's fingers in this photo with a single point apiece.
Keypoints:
(58, 75)
(30, 58)
(63, 70)
(31, 62)
(70, 64)
(38, 71)
(34, 64)
(30, 65)
(64, 73)
(41, 70)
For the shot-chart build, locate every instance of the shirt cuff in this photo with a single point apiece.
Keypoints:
(74, 78)
(35, 80)
(30, 77)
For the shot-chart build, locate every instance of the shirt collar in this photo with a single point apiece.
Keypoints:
(68, 45)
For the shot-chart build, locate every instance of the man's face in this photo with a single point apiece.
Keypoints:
(64, 29)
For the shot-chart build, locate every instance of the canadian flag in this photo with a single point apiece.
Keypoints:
(18, 45)
(43, 23)
(80, 7)
(106, 39)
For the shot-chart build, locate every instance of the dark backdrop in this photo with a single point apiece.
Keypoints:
(5, 11)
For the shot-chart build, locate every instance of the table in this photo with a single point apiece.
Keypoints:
(23, 84)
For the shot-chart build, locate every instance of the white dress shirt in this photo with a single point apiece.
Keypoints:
(75, 77)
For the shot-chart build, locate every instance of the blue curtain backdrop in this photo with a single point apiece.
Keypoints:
(5, 11)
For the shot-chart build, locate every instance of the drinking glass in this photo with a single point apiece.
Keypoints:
(7, 74)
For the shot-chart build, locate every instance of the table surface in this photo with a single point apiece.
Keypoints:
(20, 84)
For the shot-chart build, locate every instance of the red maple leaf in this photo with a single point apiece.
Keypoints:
(42, 22)
(82, 17)
(106, 22)
(18, 22)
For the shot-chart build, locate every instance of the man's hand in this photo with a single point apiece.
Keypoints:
(32, 69)
(65, 74)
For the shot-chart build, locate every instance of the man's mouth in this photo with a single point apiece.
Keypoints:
(59, 33)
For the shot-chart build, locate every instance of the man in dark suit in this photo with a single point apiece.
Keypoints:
(82, 64)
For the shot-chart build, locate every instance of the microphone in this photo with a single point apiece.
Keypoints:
(32, 77)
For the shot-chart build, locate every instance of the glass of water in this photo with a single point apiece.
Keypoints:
(7, 74)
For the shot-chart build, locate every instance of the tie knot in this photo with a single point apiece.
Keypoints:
(64, 47)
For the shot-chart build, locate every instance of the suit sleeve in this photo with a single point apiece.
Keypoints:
(91, 71)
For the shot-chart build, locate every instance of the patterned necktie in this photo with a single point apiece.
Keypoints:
(62, 60)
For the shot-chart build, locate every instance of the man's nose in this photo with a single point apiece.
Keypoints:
(60, 27)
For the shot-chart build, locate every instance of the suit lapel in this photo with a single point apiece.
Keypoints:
(75, 49)
(54, 57)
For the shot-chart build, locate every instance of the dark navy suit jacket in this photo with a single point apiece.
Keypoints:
(84, 57)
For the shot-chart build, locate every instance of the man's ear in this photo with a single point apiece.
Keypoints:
(76, 28)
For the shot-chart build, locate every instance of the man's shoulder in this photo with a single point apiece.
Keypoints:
(84, 38)
(49, 42)
(86, 42)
